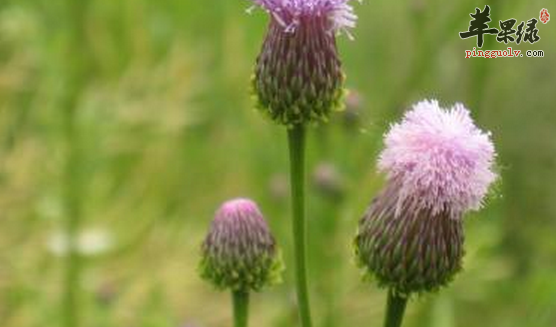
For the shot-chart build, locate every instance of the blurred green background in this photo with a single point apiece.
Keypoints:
(127, 123)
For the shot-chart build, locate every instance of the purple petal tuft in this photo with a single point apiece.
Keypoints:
(445, 163)
(291, 13)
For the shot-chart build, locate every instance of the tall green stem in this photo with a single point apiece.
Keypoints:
(72, 220)
(240, 300)
(76, 74)
(395, 308)
(296, 138)
(72, 271)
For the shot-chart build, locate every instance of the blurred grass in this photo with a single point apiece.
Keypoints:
(167, 132)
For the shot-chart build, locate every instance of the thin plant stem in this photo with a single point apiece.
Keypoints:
(72, 220)
(395, 308)
(296, 141)
(72, 269)
(240, 301)
(76, 74)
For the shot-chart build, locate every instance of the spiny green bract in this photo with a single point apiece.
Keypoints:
(298, 77)
(239, 251)
(249, 274)
(408, 251)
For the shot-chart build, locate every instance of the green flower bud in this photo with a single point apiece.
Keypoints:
(239, 252)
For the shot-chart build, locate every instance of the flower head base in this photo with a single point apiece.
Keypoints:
(438, 165)
(442, 159)
(298, 77)
(413, 252)
(239, 252)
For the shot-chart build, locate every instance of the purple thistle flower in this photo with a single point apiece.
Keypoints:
(239, 252)
(298, 76)
(439, 166)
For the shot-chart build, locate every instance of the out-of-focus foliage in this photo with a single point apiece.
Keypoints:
(167, 131)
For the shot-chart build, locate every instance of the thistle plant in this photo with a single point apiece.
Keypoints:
(239, 254)
(439, 166)
(298, 80)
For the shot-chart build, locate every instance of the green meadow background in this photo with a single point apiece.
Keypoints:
(127, 122)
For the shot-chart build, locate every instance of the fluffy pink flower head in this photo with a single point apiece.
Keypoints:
(442, 161)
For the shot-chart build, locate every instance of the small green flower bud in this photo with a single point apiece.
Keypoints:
(354, 103)
(239, 252)
(328, 181)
